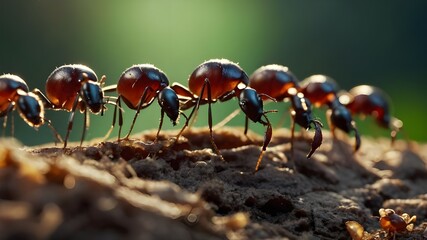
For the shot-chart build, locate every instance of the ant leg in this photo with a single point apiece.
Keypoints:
(70, 120)
(85, 126)
(207, 83)
(267, 139)
(356, 136)
(4, 114)
(141, 101)
(46, 102)
(114, 120)
(195, 109)
(102, 80)
(330, 124)
(55, 133)
(110, 88)
(395, 126)
(293, 113)
(245, 132)
(226, 120)
(162, 114)
(120, 118)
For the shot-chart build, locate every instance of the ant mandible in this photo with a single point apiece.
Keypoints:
(372, 101)
(279, 83)
(14, 93)
(72, 87)
(221, 79)
(322, 91)
(138, 86)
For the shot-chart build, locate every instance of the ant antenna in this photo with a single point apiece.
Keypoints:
(268, 96)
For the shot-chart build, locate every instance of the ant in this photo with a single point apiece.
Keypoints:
(322, 90)
(372, 101)
(394, 223)
(389, 221)
(72, 87)
(138, 86)
(14, 93)
(221, 79)
(279, 83)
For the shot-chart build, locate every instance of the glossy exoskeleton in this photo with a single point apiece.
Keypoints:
(14, 94)
(279, 83)
(138, 86)
(393, 223)
(367, 100)
(221, 79)
(74, 87)
(322, 91)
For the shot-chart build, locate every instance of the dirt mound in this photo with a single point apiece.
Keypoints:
(138, 189)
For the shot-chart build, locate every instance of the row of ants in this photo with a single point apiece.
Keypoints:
(76, 87)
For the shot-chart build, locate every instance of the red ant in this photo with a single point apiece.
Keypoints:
(14, 93)
(322, 90)
(138, 86)
(279, 83)
(221, 79)
(72, 87)
(394, 223)
(372, 101)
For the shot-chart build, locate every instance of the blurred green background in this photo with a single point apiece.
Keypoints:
(382, 43)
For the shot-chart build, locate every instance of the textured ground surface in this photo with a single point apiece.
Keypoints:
(138, 189)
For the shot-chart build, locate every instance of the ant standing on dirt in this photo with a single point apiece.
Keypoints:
(138, 86)
(367, 100)
(322, 91)
(14, 94)
(72, 87)
(279, 83)
(221, 79)
(394, 223)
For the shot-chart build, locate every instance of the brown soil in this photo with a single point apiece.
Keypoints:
(138, 189)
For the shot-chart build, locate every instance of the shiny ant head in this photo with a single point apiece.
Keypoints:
(341, 118)
(251, 104)
(93, 96)
(301, 108)
(30, 108)
(168, 101)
